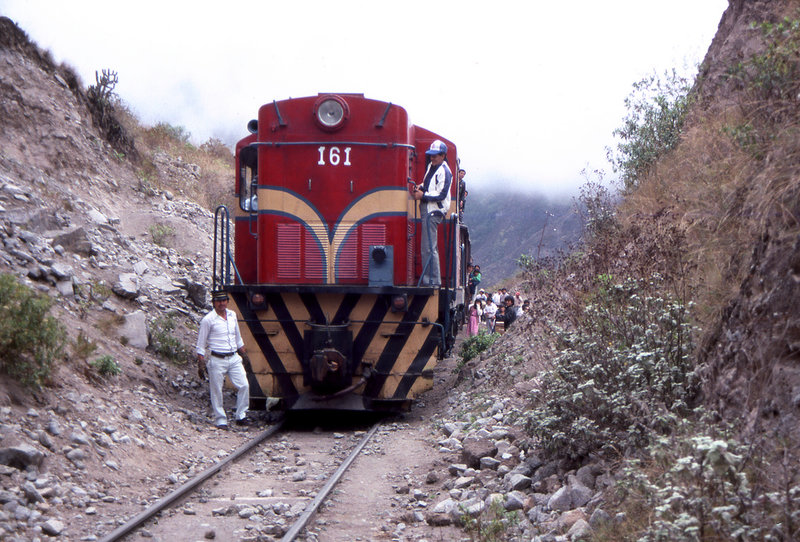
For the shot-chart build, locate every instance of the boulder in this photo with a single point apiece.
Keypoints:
(134, 329)
(21, 456)
(517, 481)
(97, 217)
(127, 286)
(476, 448)
(76, 241)
(52, 527)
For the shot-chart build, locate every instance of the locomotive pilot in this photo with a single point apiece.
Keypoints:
(434, 197)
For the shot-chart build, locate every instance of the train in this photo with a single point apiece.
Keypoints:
(323, 267)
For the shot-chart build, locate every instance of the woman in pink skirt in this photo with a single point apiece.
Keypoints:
(474, 319)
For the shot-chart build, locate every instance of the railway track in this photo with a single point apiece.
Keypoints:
(305, 469)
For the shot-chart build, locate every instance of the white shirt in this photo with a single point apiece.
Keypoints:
(437, 196)
(220, 334)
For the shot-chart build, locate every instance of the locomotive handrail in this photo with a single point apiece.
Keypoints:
(220, 265)
(221, 268)
(354, 143)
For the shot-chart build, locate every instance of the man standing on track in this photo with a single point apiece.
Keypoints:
(434, 197)
(219, 331)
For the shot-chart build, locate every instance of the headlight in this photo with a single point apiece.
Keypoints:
(331, 112)
(400, 303)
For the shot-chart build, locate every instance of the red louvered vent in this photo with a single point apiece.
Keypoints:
(300, 256)
(288, 251)
(353, 261)
(371, 234)
(313, 262)
(346, 263)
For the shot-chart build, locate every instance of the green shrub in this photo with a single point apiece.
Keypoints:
(624, 373)
(597, 209)
(105, 365)
(771, 79)
(161, 233)
(164, 341)
(492, 525)
(657, 110)
(472, 346)
(178, 134)
(774, 73)
(30, 339)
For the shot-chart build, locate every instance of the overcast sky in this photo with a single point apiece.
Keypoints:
(530, 91)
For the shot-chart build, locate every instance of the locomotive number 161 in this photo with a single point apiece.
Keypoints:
(334, 156)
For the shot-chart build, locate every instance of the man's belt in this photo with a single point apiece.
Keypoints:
(222, 354)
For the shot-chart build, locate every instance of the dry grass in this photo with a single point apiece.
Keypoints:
(213, 184)
(725, 198)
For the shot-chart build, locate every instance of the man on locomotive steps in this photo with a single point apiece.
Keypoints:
(434, 197)
(219, 331)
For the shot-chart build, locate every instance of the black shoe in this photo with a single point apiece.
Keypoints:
(244, 422)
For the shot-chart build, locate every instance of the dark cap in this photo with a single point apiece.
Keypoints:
(219, 295)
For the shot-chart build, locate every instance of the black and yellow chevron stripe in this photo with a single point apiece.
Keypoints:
(400, 348)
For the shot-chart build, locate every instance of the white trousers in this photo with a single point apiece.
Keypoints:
(218, 368)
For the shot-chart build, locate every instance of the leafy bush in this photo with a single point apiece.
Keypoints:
(597, 209)
(166, 135)
(165, 343)
(623, 373)
(30, 340)
(492, 525)
(657, 110)
(702, 484)
(774, 73)
(476, 344)
(771, 79)
(105, 365)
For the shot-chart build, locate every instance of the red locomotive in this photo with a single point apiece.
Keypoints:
(326, 275)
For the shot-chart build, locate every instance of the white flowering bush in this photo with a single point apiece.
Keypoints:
(622, 374)
(703, 485)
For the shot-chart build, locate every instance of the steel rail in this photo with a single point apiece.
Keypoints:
(189, 486)
(303, 520)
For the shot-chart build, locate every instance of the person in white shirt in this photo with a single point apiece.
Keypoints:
(220, 338)
(490, 312)
(497, 297)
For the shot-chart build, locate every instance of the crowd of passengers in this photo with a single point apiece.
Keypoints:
(491, 311)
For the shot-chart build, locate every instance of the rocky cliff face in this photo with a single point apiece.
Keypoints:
(735, 41)
(753, 351)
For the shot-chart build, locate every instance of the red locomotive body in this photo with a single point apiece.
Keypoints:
(327, 263)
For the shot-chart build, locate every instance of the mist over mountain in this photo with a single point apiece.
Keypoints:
(505, 225)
